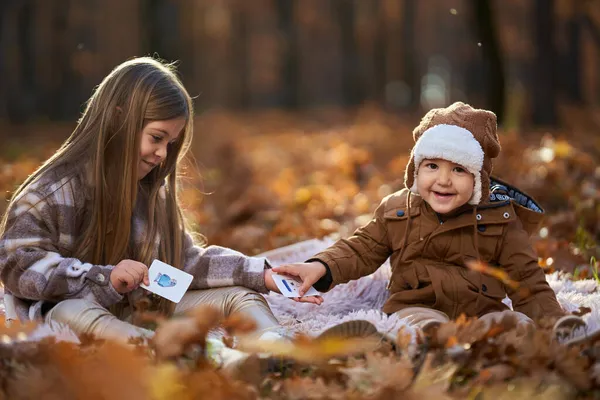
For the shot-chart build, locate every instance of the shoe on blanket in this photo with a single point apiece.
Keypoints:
(360, 329)
(350, 329)
(569, 329)
(251, 368)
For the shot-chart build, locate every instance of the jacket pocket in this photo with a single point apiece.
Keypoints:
(396, 220)
(490, 230)
(483, 284)
(491, 287)
(489, 238)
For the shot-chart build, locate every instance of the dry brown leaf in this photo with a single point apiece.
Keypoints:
(174, 336)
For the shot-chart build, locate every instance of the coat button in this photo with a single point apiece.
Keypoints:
(400, 213)
(506, 215)
(483, 288)
(481, 228)
(100, 278)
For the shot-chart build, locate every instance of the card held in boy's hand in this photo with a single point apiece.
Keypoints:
(167, 281)
(290, 285)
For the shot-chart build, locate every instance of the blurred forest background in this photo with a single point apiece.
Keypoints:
(519, 56)
(305, 107)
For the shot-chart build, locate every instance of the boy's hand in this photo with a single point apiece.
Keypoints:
(309, 273)
(128, 274)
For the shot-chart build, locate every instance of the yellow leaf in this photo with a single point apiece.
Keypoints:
(309, 350)
(165, 384)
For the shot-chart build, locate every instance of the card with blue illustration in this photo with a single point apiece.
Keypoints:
(289, 286)
(167, 281)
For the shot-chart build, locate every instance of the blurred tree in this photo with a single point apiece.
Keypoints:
(588, 22)
(161, 36)
(571, 56)
(239, 52)
(287, 27)
(352, 81)
(410, 74)
(17, 27)
(379, 53)
(544, 92)
(62, 75)
(3, 80)
(493, 64)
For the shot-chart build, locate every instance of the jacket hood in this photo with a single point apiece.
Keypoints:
(528, 210)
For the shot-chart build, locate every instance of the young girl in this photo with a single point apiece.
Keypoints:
(450, 213)
(80, 232)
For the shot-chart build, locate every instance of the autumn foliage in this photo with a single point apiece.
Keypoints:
(258, 183)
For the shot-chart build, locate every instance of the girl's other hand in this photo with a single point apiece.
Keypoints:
(128, 274)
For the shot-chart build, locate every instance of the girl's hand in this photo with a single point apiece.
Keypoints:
(309, 273)
(128, 274)
(269, 282)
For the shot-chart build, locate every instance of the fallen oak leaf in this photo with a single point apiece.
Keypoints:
(495, 373)
(174, 336)
(239, 323)
(305, 350)
(451, 342)
(484, 268)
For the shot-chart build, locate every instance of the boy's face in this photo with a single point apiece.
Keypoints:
(444, 185)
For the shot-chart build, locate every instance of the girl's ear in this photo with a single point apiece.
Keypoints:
(119, 109)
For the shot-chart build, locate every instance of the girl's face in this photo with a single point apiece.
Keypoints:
(154, 143)
(444, 185)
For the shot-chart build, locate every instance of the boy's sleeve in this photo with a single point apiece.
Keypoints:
(31, 264)
(534, 297)
(216, 266)
(359, 255)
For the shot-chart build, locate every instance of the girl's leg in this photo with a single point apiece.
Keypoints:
(88, 317)
(422, 318)
(231, 300)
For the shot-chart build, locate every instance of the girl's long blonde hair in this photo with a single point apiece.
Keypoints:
(107, 141)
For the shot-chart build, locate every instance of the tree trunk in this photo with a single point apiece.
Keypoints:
(572, 57)
(544, 93)
(287, 26)
(240, 54)
(379, 53)
(492, 57)
(352, 84)
(410, 76)
(161, 34)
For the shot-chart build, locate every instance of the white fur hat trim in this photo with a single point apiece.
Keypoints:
(455, 144)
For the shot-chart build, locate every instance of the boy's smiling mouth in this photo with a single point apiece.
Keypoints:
(442, 194)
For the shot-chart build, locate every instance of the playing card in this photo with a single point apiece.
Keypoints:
(167, 281)
(289, 286)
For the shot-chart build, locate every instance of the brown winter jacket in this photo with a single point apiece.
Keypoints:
(428, 255)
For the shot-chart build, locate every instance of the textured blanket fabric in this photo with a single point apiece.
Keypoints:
(363, 298)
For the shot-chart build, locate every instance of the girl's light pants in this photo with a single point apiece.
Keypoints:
(89, 317)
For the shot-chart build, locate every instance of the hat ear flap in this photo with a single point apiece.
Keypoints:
(409, 173)
(485, 187)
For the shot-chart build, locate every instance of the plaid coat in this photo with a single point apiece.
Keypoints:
(37, 266)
